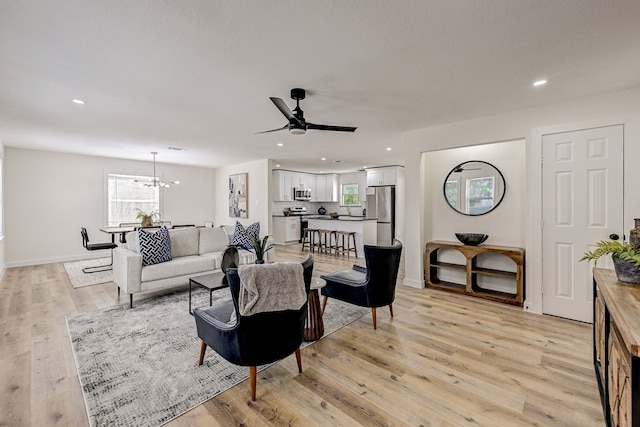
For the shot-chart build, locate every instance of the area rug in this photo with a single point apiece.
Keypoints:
(79, 279)
(139, 366)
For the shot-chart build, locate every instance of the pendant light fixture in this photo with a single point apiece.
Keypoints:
(156, 180)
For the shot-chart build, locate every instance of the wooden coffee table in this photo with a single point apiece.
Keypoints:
(314, 326)
(210, 281)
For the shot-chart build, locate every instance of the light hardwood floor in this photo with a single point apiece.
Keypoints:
(443, 360)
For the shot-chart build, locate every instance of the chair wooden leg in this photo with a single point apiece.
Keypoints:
(373, 314)
(299, 359)
(203, 348)
(391, 309)
(252, 379)
(324, 303)
(118, 291)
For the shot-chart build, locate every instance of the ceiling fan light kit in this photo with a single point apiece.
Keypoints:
(297, 124)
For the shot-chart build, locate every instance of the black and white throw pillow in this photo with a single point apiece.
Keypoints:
(155, 247)
(242, 236)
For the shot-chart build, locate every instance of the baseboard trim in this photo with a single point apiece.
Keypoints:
(67, 258)
(418, 284)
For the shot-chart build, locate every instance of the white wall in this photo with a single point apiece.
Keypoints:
(505, 225)
(49, 196)
(2, 239)
(258, 203)
(599, 110)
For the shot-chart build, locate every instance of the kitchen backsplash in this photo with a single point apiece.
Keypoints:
(312, 207)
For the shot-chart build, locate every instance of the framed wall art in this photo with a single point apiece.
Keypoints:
(238, 193)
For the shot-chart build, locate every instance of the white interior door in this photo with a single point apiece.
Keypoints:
(582, 203)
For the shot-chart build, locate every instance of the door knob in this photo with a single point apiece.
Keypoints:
(614, 236)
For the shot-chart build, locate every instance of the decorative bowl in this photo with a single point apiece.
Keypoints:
(471, 239)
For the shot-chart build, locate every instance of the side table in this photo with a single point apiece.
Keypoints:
(211, 281)
(314, 327)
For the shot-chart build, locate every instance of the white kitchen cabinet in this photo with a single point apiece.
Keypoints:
(325, 188)
(292, 233)
(362, 186)
(282, 185)
(286, 229)
(381, 176)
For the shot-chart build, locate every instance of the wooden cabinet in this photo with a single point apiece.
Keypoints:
(474, 275)
(616, 347)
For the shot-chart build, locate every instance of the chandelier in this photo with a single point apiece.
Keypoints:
(155, 182)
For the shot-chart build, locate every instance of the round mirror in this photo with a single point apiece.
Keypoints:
(474, 188)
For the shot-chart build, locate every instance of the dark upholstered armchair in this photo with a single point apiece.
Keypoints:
(373, 286)
(252, 340)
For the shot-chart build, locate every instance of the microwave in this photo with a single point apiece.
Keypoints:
(301, 194)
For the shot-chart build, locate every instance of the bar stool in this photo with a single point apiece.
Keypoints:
(309, 239)
(347, 237)
(325, 242)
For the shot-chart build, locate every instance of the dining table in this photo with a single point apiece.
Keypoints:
(122, 231)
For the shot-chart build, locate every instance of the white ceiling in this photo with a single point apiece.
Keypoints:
(199, 74)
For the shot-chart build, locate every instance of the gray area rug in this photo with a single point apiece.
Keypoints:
(79, 279)
(139, 367)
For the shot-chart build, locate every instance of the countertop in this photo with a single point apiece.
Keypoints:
(340, 218)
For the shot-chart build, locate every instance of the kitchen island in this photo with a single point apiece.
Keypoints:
(366, 229)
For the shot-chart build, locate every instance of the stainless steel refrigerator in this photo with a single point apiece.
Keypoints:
(381, 205)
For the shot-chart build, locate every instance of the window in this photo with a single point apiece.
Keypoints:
(480, 195)
(451, 193)
(350, 195)
(126, 193)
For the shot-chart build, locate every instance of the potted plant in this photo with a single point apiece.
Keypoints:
(626, 259)
(147, 218)
(259, 247)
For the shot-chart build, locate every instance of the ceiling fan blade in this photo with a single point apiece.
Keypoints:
(273, 130)
(285, 110)
(331, 127)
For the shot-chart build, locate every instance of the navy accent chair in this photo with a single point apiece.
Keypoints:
(96, 247)
(252, 340)
(373, 286)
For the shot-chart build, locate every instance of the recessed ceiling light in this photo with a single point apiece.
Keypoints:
(338, 161)
(277, 166)
(280, 144)
(79, 101)
(323, 159)
(321, 171)
(540, 82)
(388, 148)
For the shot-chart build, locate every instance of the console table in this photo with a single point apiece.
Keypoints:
(473, 271)
(616, 347)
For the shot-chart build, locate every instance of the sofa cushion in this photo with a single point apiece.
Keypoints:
(184, 241)
(155, 247)
(212, 240)
(242, 237)
(178, 267)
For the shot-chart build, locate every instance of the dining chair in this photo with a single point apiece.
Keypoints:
(96, 247)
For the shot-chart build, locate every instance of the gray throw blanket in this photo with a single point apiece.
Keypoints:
(271, 287)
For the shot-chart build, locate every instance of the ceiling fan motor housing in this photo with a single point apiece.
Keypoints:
(297, 93)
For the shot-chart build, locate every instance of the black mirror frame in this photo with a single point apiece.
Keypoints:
(444, 187)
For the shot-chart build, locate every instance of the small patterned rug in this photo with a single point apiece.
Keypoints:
(79, 278)
(139, 367)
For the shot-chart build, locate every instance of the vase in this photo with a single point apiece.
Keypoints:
(627, 271)
(147, 221)
(634, 235)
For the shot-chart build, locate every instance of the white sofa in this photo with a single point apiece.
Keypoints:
(195, 251)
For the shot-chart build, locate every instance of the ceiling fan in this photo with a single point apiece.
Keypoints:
(297, 124)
